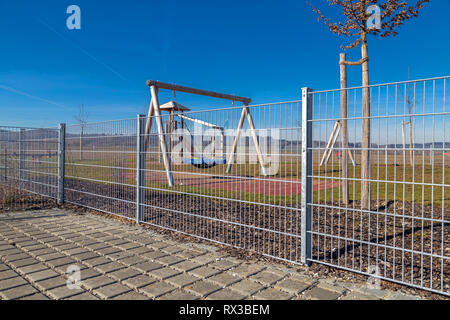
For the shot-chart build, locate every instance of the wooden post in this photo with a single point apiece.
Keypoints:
(148, 125)
(236, 139)
(365, 161)
(246, 114)
(161, 136)
(344, 128)
(330, 141)
(336, 135)
(255, 141)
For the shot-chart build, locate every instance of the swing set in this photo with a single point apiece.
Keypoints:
(176, 110)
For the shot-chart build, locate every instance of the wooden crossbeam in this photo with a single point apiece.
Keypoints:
(175, 87)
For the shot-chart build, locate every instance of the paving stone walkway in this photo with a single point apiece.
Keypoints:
(39, 250)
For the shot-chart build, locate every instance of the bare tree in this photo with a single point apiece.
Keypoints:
(82, 119)
(394, 13)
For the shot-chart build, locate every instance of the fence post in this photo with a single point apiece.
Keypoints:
(21, 156)
(140, 165)
(61, 161)
(306, 245)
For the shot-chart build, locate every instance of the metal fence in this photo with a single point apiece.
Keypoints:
(403, 236)
(277, 187)
(28, 168)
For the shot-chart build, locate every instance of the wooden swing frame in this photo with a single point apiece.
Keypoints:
(332, 142)
(155, 112)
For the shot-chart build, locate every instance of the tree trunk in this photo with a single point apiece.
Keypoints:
(365, 161)
(344, 130)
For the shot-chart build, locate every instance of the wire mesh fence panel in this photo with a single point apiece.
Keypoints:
(402, 234)
(236, 177)
(28, 168)
(375, 197)
(101, 166)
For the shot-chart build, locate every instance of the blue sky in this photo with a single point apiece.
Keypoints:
(265, 50)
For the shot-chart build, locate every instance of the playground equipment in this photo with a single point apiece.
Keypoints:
(173, 107)
(177, 110)
(331, 142)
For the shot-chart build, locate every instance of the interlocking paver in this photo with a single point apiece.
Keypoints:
(154, 254)
(124, 274)
(179, 295)
(3, 267)
(131, 296)
(204, 259)
(64, 292)
(128, 245)
(247, 287)
(273, 294)
(32, 268)
(41, 252)
(89, 273)
(83, 296)
(223, 264)
(41, 275)
(61, 262)
(164, 273)
(120, 255)
(203, 288)
(51, 256)
(226, 294)
(266, 277)
(204, 272)
(246, 270)
(106, 251)
(97, 282)
(186, 266)
(8, 274)
(139, 250)
(96, 261)
(157, 289)
(189, 270)
(147, 266)
(224, 279)
(358, 296)
(109, 267)
(11, 283)
(17, 256)
(18, 292)
(169, 260)
(35, 247)
(52, 283)
(182, 280)
(36, 296)
(75, 251)
(85, 256)
(292, 285)
(321, 294)
(139, 281)
(111, 291)
(23, 262)
(399, 296)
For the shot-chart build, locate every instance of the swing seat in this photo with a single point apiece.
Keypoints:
(204, 163)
